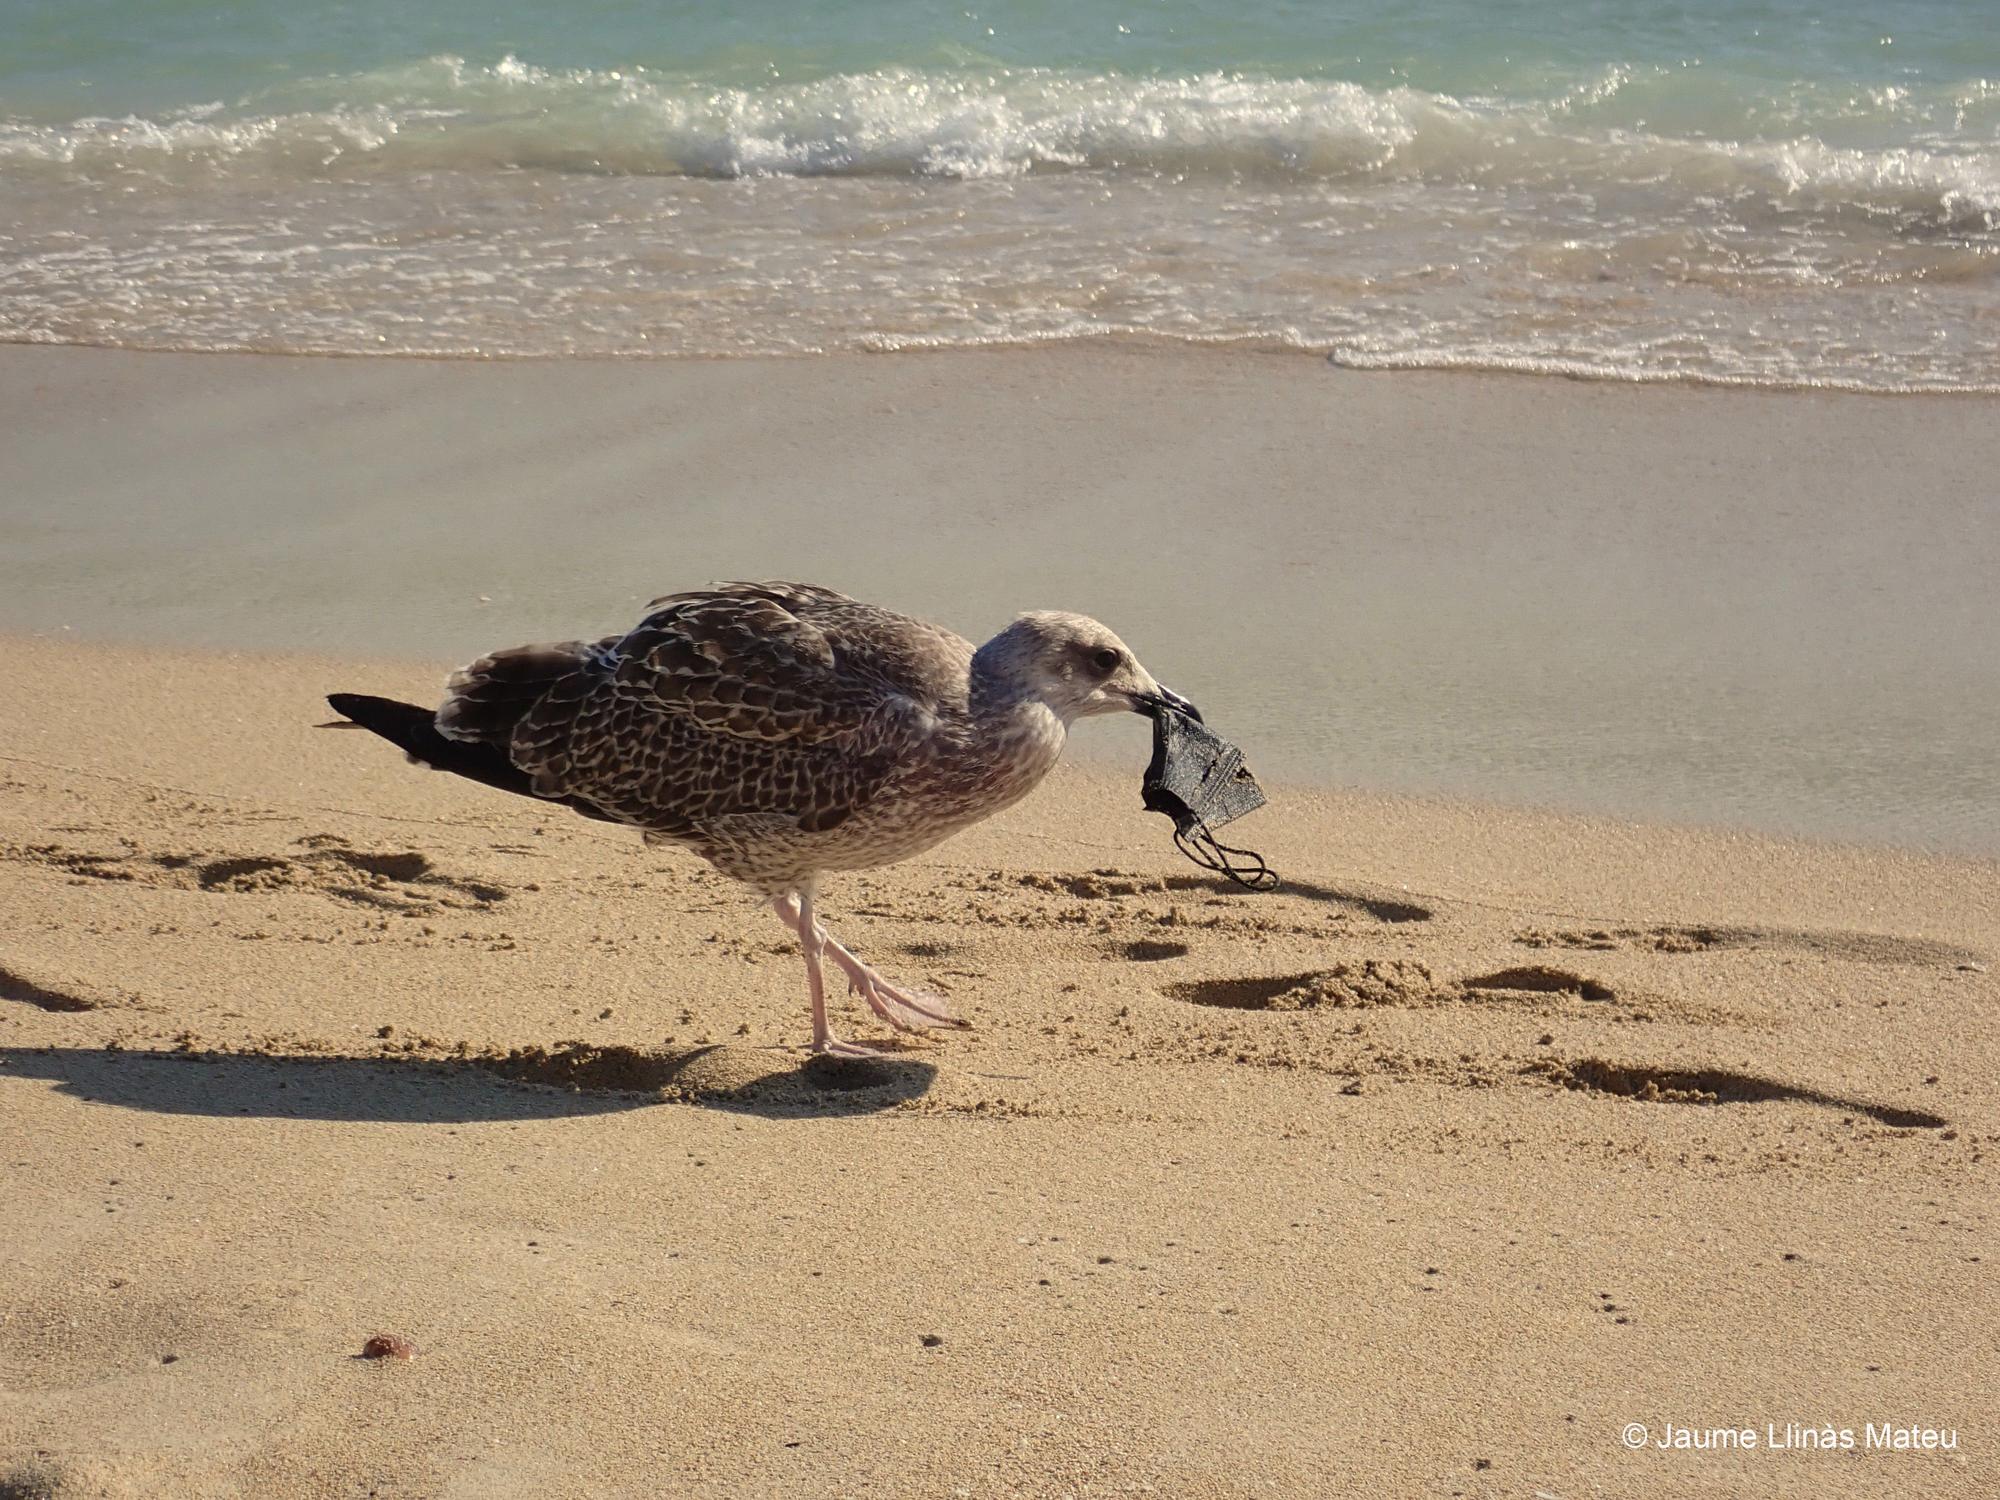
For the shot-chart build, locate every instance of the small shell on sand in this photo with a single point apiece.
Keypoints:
(388, 1346)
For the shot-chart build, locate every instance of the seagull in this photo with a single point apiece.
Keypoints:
(782, 731)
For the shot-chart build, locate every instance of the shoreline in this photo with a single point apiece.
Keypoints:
(1116, 345)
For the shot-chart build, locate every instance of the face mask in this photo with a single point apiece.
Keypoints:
(1199, 780)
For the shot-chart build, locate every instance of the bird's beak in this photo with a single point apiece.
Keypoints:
(1157, 702)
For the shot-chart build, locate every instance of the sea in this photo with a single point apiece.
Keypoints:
(1785, 193)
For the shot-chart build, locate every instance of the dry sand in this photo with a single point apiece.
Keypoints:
(1491, 1133)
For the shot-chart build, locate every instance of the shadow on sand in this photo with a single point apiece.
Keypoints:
(1381, 907)
(532, 1083)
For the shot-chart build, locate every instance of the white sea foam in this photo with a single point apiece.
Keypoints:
(446, 113)
(443, 207)
(1630, 367)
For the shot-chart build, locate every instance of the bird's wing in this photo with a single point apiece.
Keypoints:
(776, 699)
(901, 655)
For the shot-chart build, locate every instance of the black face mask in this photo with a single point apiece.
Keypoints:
(1199, 780)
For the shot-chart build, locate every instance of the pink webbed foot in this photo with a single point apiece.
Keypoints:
(905, 1009)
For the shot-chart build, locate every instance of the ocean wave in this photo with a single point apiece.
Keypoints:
(445, 113)
(1621, 226)
(1626, 368)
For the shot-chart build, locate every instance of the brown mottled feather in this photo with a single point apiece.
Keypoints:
(776, 700)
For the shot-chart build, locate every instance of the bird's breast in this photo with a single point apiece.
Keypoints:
(969, 771)
(994, 762)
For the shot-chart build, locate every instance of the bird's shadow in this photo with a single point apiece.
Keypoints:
(531, 1083)
(1382, 907)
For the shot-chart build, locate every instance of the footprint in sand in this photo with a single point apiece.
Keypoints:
(1708, 1086)
(1345, 986)
(1150, 951)
(1539, 979)
(1860, 947)
(1375, 982)
(1108, 884)
(1610, 939)
(48, 993)
(398, 880)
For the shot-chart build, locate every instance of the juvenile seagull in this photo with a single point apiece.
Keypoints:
(782, 731)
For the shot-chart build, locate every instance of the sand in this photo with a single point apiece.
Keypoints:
(1494, 1131)
(1489, 1134)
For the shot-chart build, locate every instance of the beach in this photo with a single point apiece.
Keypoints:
(1556, 444)
(1618, 1049)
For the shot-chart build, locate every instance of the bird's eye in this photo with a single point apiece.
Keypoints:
(1104, 660)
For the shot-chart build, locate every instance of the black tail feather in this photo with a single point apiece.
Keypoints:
(414, 731)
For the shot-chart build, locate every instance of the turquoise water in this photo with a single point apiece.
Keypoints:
(1773, 193)
(87, 56)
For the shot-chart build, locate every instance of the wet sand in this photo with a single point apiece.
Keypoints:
(1743, 608)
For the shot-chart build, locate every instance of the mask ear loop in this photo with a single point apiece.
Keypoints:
(1198, 844)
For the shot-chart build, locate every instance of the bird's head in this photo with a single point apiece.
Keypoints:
(1075, 666)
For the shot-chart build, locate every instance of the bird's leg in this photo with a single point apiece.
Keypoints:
(911, 1010)
(812, 939)
(906, 1010)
